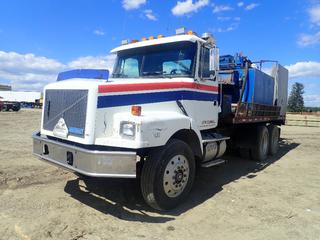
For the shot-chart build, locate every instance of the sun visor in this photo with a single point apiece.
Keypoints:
(84, 73)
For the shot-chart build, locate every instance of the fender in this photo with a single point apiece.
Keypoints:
(153, 129)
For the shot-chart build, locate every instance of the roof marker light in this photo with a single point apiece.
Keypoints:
(180, 31)
(160, 36)
(134, 41)
(151, 37)
(125, 41)
(144, 39)
(190, 32)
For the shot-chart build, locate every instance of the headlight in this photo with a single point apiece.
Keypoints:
(128, 129)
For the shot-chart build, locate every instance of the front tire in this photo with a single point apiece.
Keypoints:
(167, 175)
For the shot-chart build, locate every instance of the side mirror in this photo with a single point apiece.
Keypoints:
(214, 59)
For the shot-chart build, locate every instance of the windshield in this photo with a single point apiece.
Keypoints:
(165, 60)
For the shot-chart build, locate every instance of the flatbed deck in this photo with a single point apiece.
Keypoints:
(253, 113)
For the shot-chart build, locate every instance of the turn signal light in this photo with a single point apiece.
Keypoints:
(136, 110)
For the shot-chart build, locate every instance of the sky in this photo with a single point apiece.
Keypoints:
(38, 39)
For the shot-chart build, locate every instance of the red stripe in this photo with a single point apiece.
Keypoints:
(153, 86)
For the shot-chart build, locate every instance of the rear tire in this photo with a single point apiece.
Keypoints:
(274, 134)
(167, 175)
(260, 148)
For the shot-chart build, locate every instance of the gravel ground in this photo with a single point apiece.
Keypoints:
(276, 199)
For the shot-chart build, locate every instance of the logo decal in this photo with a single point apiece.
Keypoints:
(61, 129)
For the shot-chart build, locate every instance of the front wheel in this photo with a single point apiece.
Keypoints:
(167, 175)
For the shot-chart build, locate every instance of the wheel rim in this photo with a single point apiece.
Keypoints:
(265, 143)
(176, 176)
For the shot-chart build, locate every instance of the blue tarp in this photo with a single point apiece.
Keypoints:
(84, 73)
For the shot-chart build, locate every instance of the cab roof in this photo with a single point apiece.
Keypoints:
(157, 41)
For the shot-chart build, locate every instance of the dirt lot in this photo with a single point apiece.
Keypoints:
(277, 199)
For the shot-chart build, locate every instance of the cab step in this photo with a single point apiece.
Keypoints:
(214, 140)
(212, 163)
(213, 137)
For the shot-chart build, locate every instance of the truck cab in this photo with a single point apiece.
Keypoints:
(155, 117)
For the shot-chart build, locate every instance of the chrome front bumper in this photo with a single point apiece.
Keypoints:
(92, 163)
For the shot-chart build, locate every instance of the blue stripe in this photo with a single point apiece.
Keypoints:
(153, 97)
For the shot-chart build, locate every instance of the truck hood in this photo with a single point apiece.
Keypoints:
(76, 83)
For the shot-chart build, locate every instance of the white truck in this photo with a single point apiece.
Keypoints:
(169, 107)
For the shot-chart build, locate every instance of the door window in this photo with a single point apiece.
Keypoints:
(206, 70)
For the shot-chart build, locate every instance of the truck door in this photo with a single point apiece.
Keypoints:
(206, 111)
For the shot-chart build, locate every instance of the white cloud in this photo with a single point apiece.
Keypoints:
(304, 69)
(306, 72)
(188, 6)
(99, 32)
(31, 72)
(150, 15)
(240, 4)
(27, 63)
(309, 39)
(230, 27)
(227, 29)
(314, 14)
(27, 69)
(251, 6)
(98, 62)
(27, 86)
(224, 18)
(304, 39)
(221, 8)
(132, 4)
(311, 100)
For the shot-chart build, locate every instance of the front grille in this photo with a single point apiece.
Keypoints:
(71, 105)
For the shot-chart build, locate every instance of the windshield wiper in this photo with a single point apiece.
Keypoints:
(155, 73)
(119, 75)
(158, 74)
